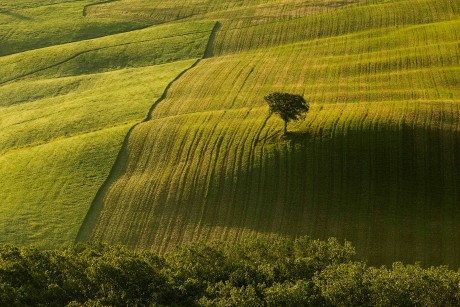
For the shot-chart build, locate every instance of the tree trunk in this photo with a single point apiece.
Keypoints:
(285, 128)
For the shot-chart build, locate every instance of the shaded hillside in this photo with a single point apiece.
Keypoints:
(376, 161)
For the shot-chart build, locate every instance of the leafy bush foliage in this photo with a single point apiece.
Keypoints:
(281, 272)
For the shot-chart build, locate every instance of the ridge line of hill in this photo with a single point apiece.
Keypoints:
(89, 219)
(206, 54)
(60, 138)
(88, 51)
(85, 8)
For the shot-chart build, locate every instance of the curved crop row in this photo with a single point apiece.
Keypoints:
(376, 160)
(374, 174)
(64, 114)
(239, 35)
(255, 11)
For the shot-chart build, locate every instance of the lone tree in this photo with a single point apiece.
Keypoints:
(287, 106)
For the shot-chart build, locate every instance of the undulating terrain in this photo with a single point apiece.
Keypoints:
(66, 109)
(159, 135)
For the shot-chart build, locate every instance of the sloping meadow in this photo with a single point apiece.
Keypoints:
(64, 113)
(32, 24)
(376, 160)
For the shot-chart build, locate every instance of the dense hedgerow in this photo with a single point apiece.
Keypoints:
(282, 272)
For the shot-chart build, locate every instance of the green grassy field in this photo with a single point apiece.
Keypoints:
(376, 161)
(30, 24)
(64, 113)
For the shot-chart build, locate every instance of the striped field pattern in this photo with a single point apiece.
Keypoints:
(376, 161)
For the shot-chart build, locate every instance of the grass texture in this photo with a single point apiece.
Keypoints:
(376, 161)
(31, 24)
(64, 113)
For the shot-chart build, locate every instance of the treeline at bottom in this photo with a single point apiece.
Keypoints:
(281, 272)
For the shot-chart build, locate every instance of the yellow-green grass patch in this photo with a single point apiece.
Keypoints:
(254, 11)
(46, 189)
(150, 46)
(80, 104)
(26, 25)
(57, 151)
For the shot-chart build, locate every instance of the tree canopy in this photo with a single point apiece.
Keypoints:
(263, 272)
(287, 106)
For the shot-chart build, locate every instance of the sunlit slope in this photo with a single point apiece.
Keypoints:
(376, 161)
(150, 46)
(36, 77)
(45, 188)
(250, 11)
(241, 34)
(64, 116)
(252, 24)
(32, 24)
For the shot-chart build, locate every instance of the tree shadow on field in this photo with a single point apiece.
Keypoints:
(292, 137)
(393, 191)
(298, 137)
(15, 15)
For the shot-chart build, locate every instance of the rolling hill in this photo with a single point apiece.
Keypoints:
(376, 161)
(64, 112)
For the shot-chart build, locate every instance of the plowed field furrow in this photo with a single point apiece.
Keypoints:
(340, 22)
(61, 129)
(200, 196)
(376, 161)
